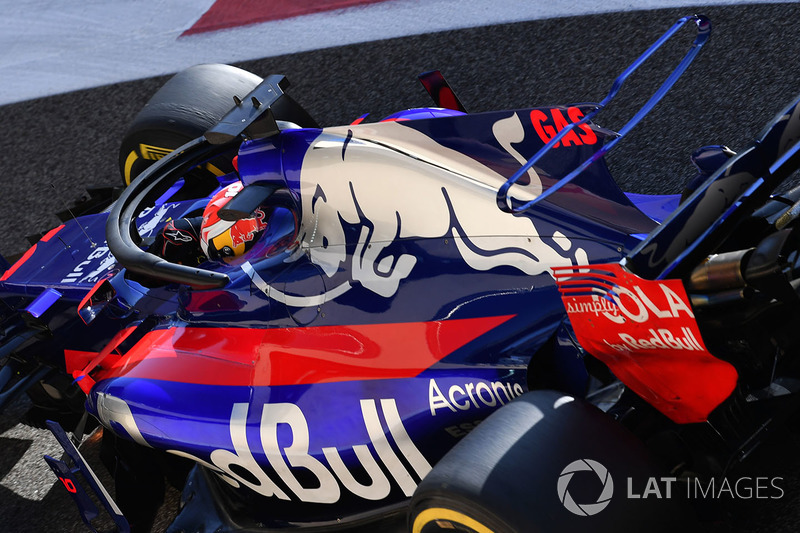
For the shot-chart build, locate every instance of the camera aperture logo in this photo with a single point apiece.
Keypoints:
(585, 509)
(660, 488)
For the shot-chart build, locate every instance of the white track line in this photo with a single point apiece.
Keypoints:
(51, 47)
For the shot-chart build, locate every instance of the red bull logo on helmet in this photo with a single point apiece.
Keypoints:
(224, 238)
(246, 230)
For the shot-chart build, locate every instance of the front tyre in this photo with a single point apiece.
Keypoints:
(187, 105)
(184, 108)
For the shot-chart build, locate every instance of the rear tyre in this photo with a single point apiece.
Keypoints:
(544, 462)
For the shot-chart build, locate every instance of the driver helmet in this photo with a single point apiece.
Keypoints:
(225, 240)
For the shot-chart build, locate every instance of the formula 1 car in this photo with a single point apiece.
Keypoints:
(404, 281)
(698, 322)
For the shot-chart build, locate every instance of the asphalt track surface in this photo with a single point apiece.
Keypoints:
(52, 148)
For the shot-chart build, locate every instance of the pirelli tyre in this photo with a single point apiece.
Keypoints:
(546, 462)
(185, 107)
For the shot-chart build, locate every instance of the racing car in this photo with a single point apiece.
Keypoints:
(366, 295)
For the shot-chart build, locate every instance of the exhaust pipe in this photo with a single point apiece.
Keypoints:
(720, 272)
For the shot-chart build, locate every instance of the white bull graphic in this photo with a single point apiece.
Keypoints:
(396, 183)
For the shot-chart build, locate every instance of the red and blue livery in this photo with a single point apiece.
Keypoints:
(405, 279)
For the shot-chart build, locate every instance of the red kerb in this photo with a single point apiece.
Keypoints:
(232, 13)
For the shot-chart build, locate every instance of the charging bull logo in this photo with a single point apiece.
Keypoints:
(246, 229)
(392, 184)
(219, 234)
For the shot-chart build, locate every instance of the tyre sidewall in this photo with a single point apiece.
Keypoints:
(511, 472)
